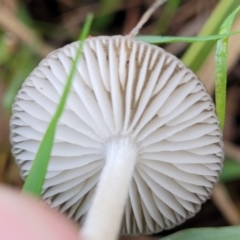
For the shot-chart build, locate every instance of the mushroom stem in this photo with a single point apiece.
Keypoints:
(105, 215)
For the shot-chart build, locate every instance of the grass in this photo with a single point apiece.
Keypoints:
(36, 177)
(194, 58)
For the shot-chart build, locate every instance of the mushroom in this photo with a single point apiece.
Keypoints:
(138, 146)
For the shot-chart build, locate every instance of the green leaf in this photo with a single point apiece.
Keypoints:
(221, 67)
(36, 177)
(221, 233)
(231, 170)
(196, 54)
(169, 39)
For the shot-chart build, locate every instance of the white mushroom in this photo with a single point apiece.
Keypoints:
(139, 141)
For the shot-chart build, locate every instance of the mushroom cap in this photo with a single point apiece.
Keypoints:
(122, 88)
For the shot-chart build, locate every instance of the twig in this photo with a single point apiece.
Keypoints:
(12, 24)
(145, 17)
(73, 18)
(225, 204)
(232, 151)
(11, 4)
(3, 162)
(132, 15)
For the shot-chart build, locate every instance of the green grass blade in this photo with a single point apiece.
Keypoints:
(221, 67)
(169, 39)
(169, 10)
(197, 53)
(231, 170)
(221, 233)
(20, 67)
(36, 177)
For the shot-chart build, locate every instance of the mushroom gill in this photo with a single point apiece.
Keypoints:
(128, 92)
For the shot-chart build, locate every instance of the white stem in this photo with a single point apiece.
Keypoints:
(104, 218)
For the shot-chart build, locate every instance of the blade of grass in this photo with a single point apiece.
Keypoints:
(220, 233)
(221, 67)
(169, 39)
(20, 67)
(36, 177)
(231, 170)
(4, 50)
(198, 52)
(169, 10)
(105, 17)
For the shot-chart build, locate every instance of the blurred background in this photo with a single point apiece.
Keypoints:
(30, 29)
